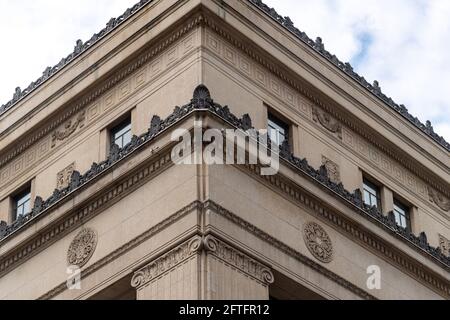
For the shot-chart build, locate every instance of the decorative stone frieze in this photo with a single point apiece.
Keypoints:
(318, 242)
(96, 103)
(375, 89)
(82, 247)
(439, 200)
(196, 245)
(295, 96)
(79, 49)
(327, 122)
(167, 262)
(203, 101)
(286, 22)
(63, 177)
(332, 169)
(239, 260)
(69, 128)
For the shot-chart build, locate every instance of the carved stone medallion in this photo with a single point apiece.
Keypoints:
(82, 247)
(318, 242)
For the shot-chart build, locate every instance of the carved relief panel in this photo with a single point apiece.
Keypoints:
(444, 244)
(69, 128)
(327, 122)
(333, 170)
(63, 177)
(439, 200)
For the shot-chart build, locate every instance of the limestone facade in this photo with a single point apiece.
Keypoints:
(140, 227)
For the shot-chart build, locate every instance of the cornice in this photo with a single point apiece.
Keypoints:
(104, 87)
(78, 215)
(210, 243)
(270, 240)
(202, 102)
(79, 49)
(359, 234)
(153, 51)
(212, 246)
(196, 205)
(325, 104)
(319, 47)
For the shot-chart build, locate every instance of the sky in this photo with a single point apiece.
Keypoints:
(404, 44)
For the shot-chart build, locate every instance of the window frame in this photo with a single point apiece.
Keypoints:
(24, 193)
(124, 124)
(406, 214)
(278, 124)
(367, 184)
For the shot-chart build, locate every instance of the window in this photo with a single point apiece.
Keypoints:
(22, 204)
(278, 130)
(121, 134)
(371, 195)
(402, 215)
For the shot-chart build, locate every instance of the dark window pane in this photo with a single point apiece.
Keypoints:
(278, 130)
(22, 204)
(121, 135)
(371, 195)
(402, 215)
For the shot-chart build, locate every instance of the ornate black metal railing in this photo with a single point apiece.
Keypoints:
(286, 22)
(374, 88)
(202, 101)
(80, 48)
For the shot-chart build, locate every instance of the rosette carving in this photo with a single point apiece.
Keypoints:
(318, 242)
(82, 247)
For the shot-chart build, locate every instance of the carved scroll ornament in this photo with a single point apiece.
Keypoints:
(332, 170)
(439, 200)
(327, 122)
(63, 177)
(70, 127)
(444, 245)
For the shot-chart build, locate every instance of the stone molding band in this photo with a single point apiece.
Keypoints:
(168, 261)
(285, 22)
(203, 102)
(209, 245)
(234, 257)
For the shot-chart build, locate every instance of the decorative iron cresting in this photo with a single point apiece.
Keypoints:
(202, 101)
(318, 45)
(346, 67)
(79, 48)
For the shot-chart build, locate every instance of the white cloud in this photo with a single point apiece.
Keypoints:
(408, 50)
(37, 34)
(407, 53)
